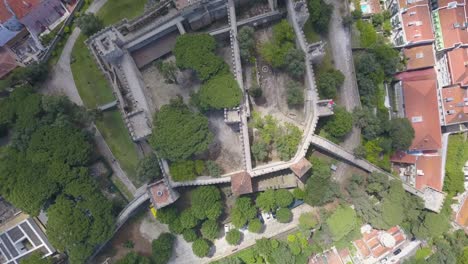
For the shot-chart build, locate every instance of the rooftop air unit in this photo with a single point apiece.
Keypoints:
(452, 5)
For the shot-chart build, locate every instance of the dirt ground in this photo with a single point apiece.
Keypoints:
(226, 148)
(274, 85)
(141, 230)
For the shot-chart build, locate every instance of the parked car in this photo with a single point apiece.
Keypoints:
(266, 216)
(396, 252)
(227, 228)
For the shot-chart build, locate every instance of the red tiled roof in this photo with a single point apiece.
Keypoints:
(419, 57)
(455, 100)
(241, 183)
(4, 14)
(404, 3)
(161, 194)
(417, 24)
(362, 248)
(448, 18)
(403, 157)
(462, 215)
(458, 65)
(7, 62)
(421, 107)
(431, 167)
(301, 167)
(22, 7)
(444, 3)
(370, 243)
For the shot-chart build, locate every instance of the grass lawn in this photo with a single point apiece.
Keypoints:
(115, 10)
(123, 190)
(116, 135)
(90, 81)
(310, 33)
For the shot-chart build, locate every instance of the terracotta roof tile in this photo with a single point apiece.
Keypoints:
(161, 195)
(403, 157)
(7, 62)
(371, 245)
(4, 14)
(362, 248)
(421, 108)
(241, 183)
(301, 167)
(451, 22)
(417, 24)
(458, 65)
(419, 57)
(431, 167)
(455, 101)
(462, 215)
(22, 7)
(410, 3)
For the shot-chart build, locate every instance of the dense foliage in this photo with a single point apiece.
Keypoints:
(134, 258)
(196, 51)
(401, 133)
(36, 258)
(201, 247)
(162, 248)
(148, 169)
(320, 14)
(246, 40)
(186, 170)
(89, 24)
(329, 82)
(338, 125)
(233, 237)
(46, 164)
(284, 215)
(295, 94)
(320, 188)
(242, 212)
(179, 133)
(457, 155)
(221, 91)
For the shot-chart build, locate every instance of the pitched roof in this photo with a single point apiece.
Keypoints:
(7, 62)
(371, 242)
(458, 65)
(161, 194)
(431, 168)
(455, 103)
(421, 107)
(22, 7)
(462, 214)
(451, 23)
(241, 183)
(301, 167)
(417, 24)
(4, 14)
(419, 57)
(410, 3)
(403, 157)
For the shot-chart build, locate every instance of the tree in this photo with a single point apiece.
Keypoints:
(401, 133)
(167, 214)
(255, 91)
(307, 221)
(377, 184)
(134, 258)
(266, 200)
(210, 229)
(179, 133)
(320, 189)
(221, 91)
(320, 14)
(246, 40)
(183, 170)
(298, 193)
(340, 124)
(190, 235)
(213, 168)
(282, 255)
(36, 258)
(274, 52)
(201, 248)
(162, 248)
(287, 143)
(148, 169)
(168, 70)
(176, 226)
(187, 220)
(255, 226)
(260, 150)
(242, 212)
(329, 82)
(283, 198)
(342, 222)
(89, 24)
(295, 94)
(196, 51)
(233, 237)
(284, 215)
(294, 63)
(370, 125)
(206, 203)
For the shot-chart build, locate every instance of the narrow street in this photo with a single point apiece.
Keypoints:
(340, 42)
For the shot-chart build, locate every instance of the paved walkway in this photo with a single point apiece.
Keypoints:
(61, 82)
(340, 42)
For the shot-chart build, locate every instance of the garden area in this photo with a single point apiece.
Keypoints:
(457, 156)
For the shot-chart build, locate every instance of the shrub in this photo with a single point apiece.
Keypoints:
(255, 91)
(283, 198)
(213, 169)
(162, 248)
(176, 226)
(233, 237)
(299, 194)
(210, 229)
(295, 94)
(255, 226)
(283, 215)
(307, 221)
(201, 247)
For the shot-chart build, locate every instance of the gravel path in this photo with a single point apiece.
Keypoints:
(61, 82)
(340, 42)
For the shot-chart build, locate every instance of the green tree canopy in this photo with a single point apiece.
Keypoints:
(320, 14)
(401, 133)
(233, 237)
(162, 248)
(179, 133)
(201, 248)
(255, 226)
(340, 124)
(187, 219)
(246, 40)
(221, 91)
(36, 258)
(342, 222)
(266, 200)
(134, 258)
(242, 212)
(284, 215)
(196, 51)
(329, 82)
(206, 203)
(148, 169)
(320, 189)
(275, 51)
(295, 94)
(89, 24)
(190, 235)
(210, 229)
(294, 63)
(283, 198)
(288, 142)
